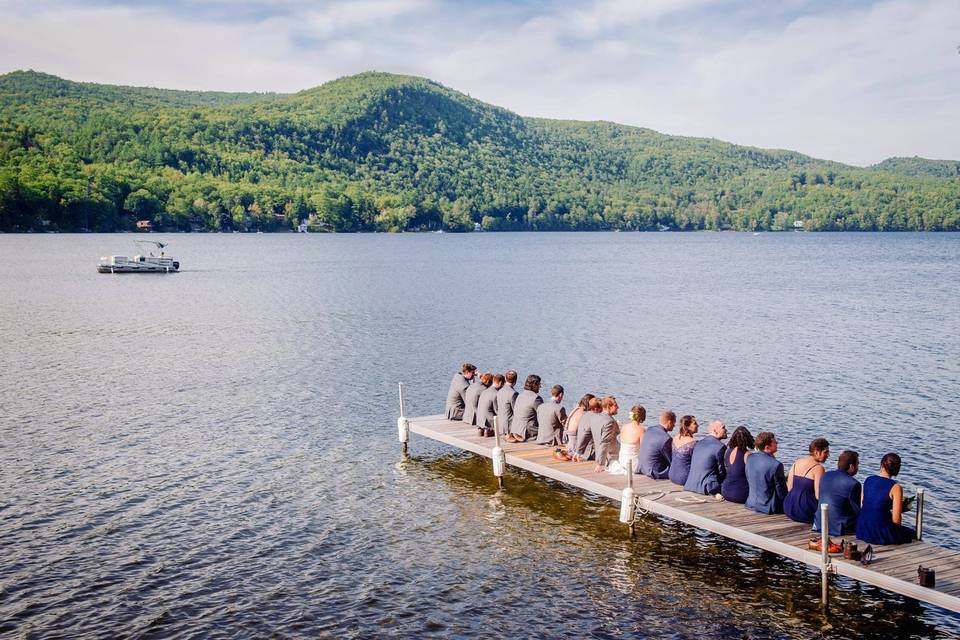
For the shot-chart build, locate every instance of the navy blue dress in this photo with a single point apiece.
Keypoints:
(735, 487)
(680, 464)
(800, 505)
(875, 524)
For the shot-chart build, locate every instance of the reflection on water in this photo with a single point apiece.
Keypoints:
(214, 452)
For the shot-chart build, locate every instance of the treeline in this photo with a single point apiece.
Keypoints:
(392, 153)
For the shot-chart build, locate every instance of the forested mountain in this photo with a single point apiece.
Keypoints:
(379, 151)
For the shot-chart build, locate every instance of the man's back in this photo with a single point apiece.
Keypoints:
(487, 407)
(768, 485)
(455, 400)
(655, 453)
(524, 422)
(551, 417)
(471, 398)
(841, 492)
(585, 443)
(706, 466)
(506, 398)
(604, 430)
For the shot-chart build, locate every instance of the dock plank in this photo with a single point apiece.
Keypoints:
(893, 569)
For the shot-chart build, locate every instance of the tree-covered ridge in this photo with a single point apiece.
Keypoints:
(26, 87)
(379, 151)
(917, 166)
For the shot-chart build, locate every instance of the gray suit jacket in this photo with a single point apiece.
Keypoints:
(551, 416)
(604, 431)
(524, 423)
(471, 398)
(506, 398)
(585, 444)
(487, 407)
(455, 400)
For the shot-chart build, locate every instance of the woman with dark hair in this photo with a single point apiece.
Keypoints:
(683, 444)
(739, 448)
(882, 511)
(803, 482)
(573, 422)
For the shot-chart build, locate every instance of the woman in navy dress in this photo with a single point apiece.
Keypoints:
(735, 487)
(683, 450)
(879, 521)
(803, 483)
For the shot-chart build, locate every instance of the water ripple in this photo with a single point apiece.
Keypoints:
(213, 454)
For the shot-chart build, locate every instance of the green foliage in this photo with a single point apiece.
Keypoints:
(391, 153)
(920, 167)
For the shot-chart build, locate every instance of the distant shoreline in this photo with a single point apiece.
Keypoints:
(466, 233)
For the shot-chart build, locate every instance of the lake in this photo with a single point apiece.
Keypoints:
(214, 452)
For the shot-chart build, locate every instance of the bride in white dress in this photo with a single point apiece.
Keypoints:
(631, 434)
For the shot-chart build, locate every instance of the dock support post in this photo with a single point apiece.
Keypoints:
(920, 495)
(824, 554)
(499, 460)
(403, 425)
(628, 502)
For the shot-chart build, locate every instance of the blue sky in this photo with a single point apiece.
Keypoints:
(854, 81)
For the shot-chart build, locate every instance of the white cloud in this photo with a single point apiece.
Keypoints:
(854, 85)
(336, 17)
(123, 46)
(603, 15)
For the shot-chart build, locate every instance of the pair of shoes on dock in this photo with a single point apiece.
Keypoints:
(832, 547)
(560, 454)
(485, 433)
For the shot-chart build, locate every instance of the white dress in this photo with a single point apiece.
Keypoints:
(627, 458)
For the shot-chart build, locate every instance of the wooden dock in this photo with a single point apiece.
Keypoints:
(894, 568)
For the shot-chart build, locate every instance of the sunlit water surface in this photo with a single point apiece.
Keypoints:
(214, 453)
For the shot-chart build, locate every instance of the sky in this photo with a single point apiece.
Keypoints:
(850, 80)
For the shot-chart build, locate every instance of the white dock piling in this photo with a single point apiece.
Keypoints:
(628, 502)
(824, 553)
(497, 456)
(403, 424)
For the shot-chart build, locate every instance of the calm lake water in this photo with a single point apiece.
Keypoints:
(214, 453)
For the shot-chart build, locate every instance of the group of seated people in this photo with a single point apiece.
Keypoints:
(744, 469)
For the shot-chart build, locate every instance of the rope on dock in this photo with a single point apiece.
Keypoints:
(638, 509)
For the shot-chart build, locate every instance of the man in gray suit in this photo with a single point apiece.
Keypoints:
(471, 398)
(604, 430)
(585, 432)
(487, 407)
(506, 398)
(458, 387)
(551, 418)
(524, 422)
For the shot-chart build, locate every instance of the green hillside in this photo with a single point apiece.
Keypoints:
(379, 151)
(916, 166)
